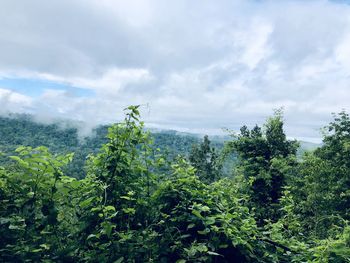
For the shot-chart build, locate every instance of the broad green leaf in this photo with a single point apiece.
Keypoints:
(86, 202)
(197, 213)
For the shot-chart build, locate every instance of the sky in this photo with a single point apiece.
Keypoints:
(195, 66)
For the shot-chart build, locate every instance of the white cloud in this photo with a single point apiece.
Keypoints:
(200, 65)
(254, 43)
(11, 101)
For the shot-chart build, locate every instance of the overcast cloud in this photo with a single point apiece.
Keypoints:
(198, 65)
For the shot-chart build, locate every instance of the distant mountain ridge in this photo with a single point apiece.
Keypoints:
(62, 137)
(304, 145)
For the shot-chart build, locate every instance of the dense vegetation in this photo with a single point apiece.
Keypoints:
(137, 205)
(63, 137)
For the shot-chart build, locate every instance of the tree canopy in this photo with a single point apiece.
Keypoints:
(136, 205)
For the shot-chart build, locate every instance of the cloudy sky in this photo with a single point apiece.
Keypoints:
(195, 65)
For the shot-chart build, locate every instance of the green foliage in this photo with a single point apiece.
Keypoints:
(265, 160)
(335, 153)
(135, 205)
(320, 187)
(62, 137)
(206, 160)
(199, 222)
(30, 204)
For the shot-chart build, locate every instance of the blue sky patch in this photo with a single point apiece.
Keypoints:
(35, 87)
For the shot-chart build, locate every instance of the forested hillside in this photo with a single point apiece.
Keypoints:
(63, 137)
(136, 204)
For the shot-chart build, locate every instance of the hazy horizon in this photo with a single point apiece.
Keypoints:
(86, 130)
